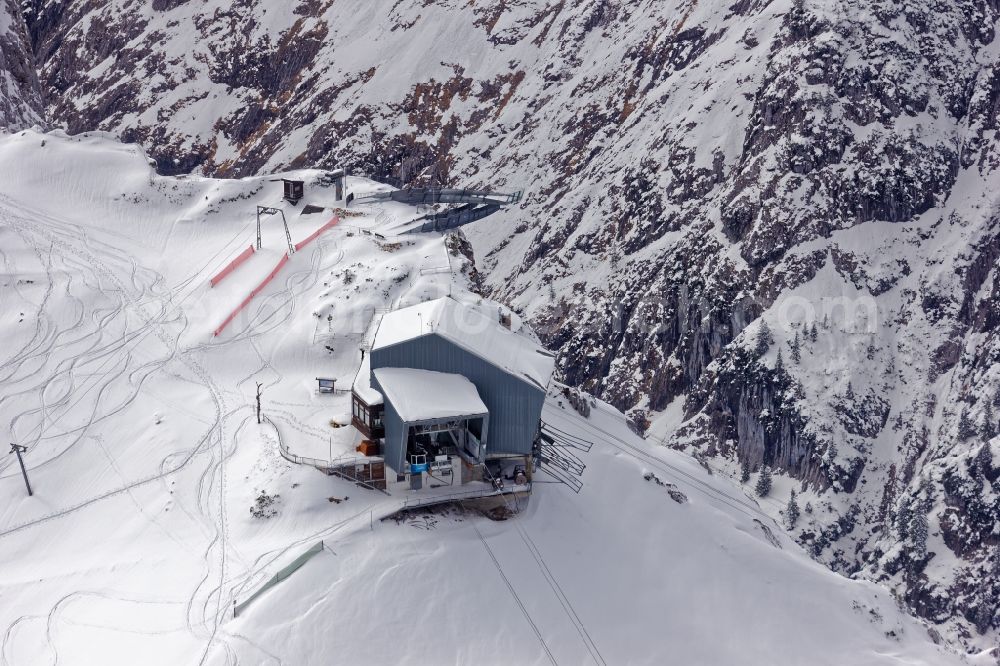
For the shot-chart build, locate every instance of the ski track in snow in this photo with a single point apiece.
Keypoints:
(140, 291)
(138, 294)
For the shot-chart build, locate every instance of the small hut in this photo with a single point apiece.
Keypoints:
(294, 190)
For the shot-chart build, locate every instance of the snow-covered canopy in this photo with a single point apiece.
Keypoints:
(470, 328)
(363, 384)
(423, 395)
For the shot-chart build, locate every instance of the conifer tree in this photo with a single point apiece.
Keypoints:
(966, 428)
(798, 390)
(764, 482)
(982, 615)
(763, 340)
(988, 428)
(903, 518)
(792, 511)
(779, 365)
(918, 531)
(744, 471)
(796, 348)
(830, 456)
(850, 391)
(814, 335)
(984, 459)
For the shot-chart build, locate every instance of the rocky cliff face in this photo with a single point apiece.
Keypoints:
(20, 93)
(693, 171)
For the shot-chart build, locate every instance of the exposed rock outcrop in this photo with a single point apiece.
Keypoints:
(20, 91)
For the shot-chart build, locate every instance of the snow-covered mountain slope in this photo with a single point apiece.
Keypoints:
(145, 457)
(20, 92)
(620, 574)
(690, 168)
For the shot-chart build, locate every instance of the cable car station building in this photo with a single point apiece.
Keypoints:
(455, 396)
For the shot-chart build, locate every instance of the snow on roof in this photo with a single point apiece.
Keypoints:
(468, 327)
(421, 395)
(363, 384)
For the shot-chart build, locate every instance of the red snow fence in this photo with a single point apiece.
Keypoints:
(246, 301)
(301, 244)
(233, 265)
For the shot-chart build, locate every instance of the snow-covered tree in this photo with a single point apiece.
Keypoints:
(779, 365)
(796, 346)
(813, 334)
(903, 518)
(792, 511)
(763, 340)
(798, 390)
(988, 428)
(918, 531)
(984, 459)
(966, 428)
(850, 391)
(744, 471)
(983, 613)
(763, 486)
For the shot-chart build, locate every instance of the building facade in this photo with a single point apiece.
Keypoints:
(471, 389)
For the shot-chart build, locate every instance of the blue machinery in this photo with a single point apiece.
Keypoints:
(471, 205)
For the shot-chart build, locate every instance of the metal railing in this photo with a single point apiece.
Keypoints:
(282, 574)
(369, 336)
(433, 195)
(411, 502)
(343, 466)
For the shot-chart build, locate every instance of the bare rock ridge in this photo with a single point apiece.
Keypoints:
(778, 217)
(20, 91)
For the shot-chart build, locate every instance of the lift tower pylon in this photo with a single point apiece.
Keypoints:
(267, 210)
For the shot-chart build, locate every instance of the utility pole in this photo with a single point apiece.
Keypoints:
(14, 448)
(258, 402)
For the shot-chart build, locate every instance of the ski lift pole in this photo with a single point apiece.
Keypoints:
(288, 235)
(14, 448)
(267, 210)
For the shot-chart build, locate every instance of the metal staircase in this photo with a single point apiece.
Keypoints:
(556, 456)
(417, 196)
(469, 205)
